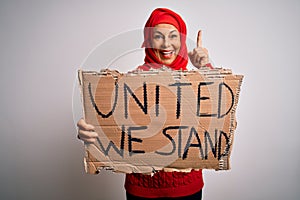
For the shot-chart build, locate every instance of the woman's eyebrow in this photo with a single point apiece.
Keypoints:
(173, 31)
(156, 31)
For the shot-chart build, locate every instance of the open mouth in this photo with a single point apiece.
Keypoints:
(167, 54)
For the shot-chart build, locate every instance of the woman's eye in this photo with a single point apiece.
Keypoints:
(158, 37)
(174, 36)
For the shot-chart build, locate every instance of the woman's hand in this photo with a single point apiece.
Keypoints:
(86, 132)
(199, 56)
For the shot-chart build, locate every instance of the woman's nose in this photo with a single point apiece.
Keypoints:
(166, 42)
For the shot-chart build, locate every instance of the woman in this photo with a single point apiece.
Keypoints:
(165, 45)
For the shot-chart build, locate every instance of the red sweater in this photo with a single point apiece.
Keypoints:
(164, 184)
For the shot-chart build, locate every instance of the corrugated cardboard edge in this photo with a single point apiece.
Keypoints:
(89, 166)
(94, 167)
(224, 162)
(87, 163)
(80, 82)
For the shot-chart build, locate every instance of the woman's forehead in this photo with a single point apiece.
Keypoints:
(165, 28)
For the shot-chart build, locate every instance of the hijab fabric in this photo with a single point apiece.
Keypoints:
(164, 16)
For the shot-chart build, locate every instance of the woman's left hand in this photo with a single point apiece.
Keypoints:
(199, 56)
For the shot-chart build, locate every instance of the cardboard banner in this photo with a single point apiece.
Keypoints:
(155, 120)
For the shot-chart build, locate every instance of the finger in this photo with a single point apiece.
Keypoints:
(88, 140)
(192, 56)
(87, 134)
(84, 126)
(199, 39)
(200, 50)
(86, 137)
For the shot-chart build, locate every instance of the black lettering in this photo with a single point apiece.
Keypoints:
(202, 98)
(171, 139)
(157, 100)
(193, 132)
(220, 99)
(180, 139)
(178, 108)
(143, 107)
(95, 105)
(165, 130)
(133, 139)
(226, 150)
(122, 137)
(112, 145)
(213, 147)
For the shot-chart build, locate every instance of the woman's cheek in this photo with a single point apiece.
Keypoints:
(156, 44)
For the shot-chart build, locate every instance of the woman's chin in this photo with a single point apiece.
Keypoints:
(167, 61)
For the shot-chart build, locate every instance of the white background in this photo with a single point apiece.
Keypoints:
(43, 43)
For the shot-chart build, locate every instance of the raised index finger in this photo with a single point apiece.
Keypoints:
(199, 39)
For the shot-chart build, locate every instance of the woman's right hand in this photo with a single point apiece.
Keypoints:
(86, 132)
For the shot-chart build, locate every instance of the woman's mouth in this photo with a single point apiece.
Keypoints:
(166, 54)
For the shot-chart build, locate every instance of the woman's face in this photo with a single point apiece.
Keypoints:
(166, 42)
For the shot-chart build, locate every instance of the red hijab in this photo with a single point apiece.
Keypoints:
(164, 16)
